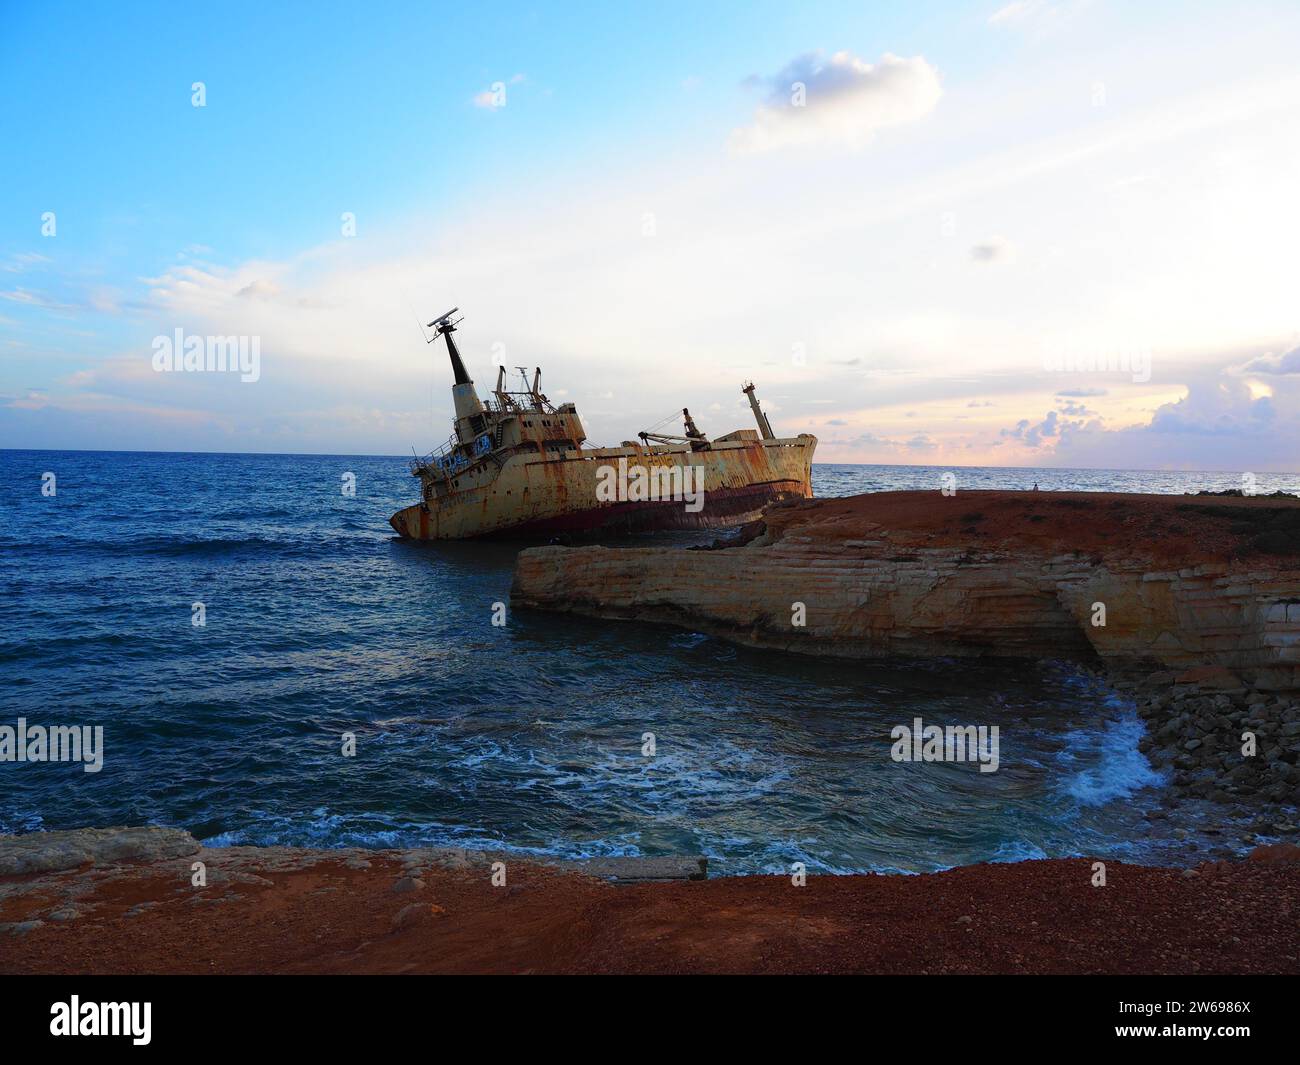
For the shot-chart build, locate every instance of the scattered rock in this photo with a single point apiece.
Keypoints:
(416, 913)
(409, 915)
(644, 869)
(1275, 854)
(407, 884)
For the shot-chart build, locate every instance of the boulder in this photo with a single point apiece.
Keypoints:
(1275, 854)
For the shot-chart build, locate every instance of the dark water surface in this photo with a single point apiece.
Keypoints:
(527, 737)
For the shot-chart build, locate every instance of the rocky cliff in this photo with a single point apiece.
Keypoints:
(1171, 581)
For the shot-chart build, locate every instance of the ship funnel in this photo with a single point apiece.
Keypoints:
(764, 426)
(463, 396)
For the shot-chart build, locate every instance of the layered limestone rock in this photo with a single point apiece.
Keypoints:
(1093, 576)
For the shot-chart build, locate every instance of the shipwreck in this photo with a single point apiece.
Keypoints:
(519, 466)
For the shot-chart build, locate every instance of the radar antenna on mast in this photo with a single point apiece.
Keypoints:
(444, 324)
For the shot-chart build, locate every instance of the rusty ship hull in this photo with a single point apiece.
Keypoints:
(536, 496)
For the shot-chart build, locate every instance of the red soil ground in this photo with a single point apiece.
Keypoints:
(1166, 529)
(1030, 917)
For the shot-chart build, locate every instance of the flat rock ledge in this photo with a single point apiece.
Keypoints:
(81, 849)
(52, 852)
(1183, 584)
(643, 870)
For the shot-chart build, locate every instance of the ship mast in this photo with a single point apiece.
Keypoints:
(463, 396)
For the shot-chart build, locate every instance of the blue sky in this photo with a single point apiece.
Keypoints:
(970, 187)
(313, 105)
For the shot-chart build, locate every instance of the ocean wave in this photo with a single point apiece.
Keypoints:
(328, 831)
(1117, 767)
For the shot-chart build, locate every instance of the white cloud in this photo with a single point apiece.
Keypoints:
(1219, 424)
(1036, 15)
(994, 250)
(1274, 364)
(21, 262)
(28, 298)
(22, 295)
(1019, 11)
(841, 101)
(259, 289)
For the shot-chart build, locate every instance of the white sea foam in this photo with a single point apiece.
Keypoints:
(1116, 769)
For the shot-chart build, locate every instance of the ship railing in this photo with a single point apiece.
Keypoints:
(439, 461)
(452, 458)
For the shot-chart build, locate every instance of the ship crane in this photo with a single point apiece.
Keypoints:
(764, 426)
(693, 436)
(537, 400)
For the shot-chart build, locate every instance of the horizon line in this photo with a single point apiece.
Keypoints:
(882, 465)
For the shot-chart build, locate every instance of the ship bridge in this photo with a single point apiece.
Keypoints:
(513, 419)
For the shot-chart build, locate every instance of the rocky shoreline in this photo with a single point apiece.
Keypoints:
(127, 900)
(1190, 606)
(1127, 581)
(1199, 723)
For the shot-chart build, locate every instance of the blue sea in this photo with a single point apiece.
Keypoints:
(526, 737)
